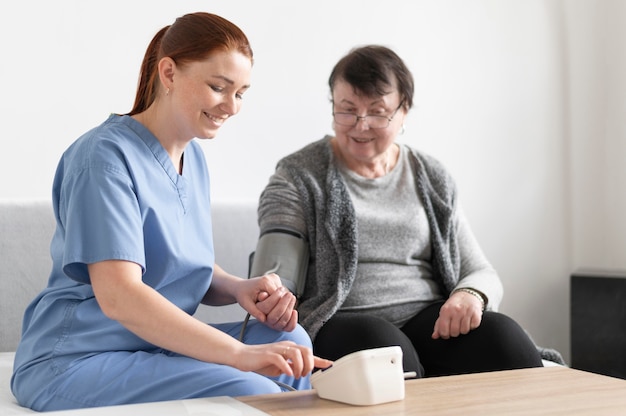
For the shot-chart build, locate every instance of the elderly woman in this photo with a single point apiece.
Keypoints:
(392, 259)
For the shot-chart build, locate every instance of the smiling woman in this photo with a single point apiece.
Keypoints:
(195, 98)
(392, 259)
(189, 90)
(133, 253)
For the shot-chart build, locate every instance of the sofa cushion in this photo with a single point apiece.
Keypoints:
(26, 228)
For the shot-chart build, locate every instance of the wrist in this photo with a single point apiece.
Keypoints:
(475, 293)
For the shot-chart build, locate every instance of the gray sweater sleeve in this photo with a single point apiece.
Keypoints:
(476, 272)
(307, 194)
(280, 204)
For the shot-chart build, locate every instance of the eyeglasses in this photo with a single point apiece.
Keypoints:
(373, 121)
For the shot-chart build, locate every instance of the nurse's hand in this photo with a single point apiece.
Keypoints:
(267, 300)
(285, 357)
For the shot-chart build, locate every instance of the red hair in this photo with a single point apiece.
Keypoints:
(192, 37)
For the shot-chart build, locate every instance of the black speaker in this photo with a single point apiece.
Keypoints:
(598, 322)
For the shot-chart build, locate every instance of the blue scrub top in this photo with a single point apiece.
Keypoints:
(117, 196)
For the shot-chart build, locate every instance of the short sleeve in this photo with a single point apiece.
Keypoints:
(101, 218)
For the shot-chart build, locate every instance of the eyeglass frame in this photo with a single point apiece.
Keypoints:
(388, 118)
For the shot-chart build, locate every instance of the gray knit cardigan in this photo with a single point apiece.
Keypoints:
(308, 194)
(321, 197)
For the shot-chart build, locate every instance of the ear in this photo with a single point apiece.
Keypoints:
(403, 113)
(167, 67)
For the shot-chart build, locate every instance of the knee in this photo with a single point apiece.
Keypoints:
(258, 333)
(298, 335)
(352, 332)
(507, 335)
(360, 324)
(248, 384)
(501, 325)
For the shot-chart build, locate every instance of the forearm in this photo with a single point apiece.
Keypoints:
(476, 271)
(223, 288)
(158, 321)
(124, 297)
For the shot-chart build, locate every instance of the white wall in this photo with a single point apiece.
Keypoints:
(521, 99)
(597, 132)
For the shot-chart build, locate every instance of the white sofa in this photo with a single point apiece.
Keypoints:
(26, 228)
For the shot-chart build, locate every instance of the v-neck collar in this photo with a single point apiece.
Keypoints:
(160, 155)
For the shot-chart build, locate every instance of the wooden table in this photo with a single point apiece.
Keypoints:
(534, 391)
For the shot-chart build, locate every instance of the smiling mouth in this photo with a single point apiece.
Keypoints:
(216, 120)
(362, 140)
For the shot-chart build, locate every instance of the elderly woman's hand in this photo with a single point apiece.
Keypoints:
(461, 313)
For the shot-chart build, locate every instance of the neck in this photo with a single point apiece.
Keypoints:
(162, 132)
(376, 168)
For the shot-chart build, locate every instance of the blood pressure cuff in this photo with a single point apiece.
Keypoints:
(284, 252)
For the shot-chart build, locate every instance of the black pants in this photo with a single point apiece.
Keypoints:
(499, 343)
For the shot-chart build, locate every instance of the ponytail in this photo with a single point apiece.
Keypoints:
(148, 75)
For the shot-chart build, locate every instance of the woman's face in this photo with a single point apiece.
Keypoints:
(206, 93)
(361, 143)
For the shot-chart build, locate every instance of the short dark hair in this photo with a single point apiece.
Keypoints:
(370, 70)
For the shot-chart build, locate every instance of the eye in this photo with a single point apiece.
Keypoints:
(348, 110)
(378, 112)
(216, 88)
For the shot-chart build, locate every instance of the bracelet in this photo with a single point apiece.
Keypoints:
(473, 292)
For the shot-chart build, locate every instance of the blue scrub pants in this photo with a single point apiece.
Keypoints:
(126, 377)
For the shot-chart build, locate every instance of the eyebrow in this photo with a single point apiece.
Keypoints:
(230, 81)
(379, 101)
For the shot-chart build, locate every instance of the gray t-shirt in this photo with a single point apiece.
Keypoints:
(394, 276)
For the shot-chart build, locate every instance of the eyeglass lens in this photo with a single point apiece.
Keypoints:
(374, 122)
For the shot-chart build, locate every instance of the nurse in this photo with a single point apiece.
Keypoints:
(133, 254)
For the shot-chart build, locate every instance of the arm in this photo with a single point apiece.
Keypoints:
(463, 310)
(476, 271)
(280, 204)
(124, 297)
(280, 207)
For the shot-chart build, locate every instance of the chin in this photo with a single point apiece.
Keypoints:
(207, 136)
